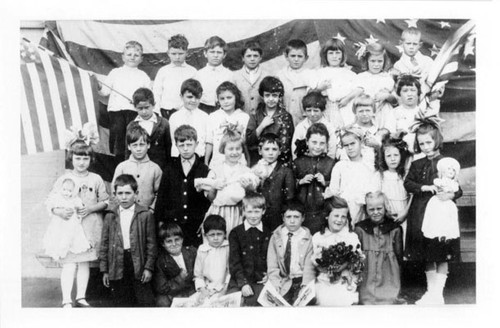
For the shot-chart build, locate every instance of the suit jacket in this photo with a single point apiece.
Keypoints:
(249, 90)
(167, 279)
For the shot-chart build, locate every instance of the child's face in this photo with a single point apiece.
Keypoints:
(190, 101)
(364, 114)
(392, 157)
(334, 58)
(215, 237)
(126, 195)
(80, 163)
(411, 44)
(177, 56)
(227, 101)
(253, 215)
(296, 58)
(376, 63)
(139, 149)
(233, 152)
(450, 172)
(271, 99)
(314, 114)
(317, 144)
(173, 245)
(352, 145)
(144, 109)
(187, 148)
(251, 59)
(67, 189)
(409, 96)
(427, 144)
(269, 152)
(337, 219)
(215, 56)
(132, 57)
(293, 220)
(375, 209)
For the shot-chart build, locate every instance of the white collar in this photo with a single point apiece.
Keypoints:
(206, 247)
(251, 72)
(151, 119)
(248, 226)
(130, 209)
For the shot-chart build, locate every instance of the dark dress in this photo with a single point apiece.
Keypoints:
(422, 173)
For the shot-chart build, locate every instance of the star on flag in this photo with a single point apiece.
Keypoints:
(400, 48)
(380, 20)
(371, 39)
(434, 50)
(340, 37)
(444, 24)
(411, 22)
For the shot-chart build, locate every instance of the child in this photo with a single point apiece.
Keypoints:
(440, 229)
(120, 84)
(289, 247)
(277, 180)
(270, 117)
(213, 74)
(249, 77)
(147, 173)
(156, 126)
(174, 267)
(382, 243)
(312, 172)
(419, 182)
(229, 116)
(211, 268)
(350, 179)
(169, 78)
(226, 182)
(178, 200)
(90, 188)
(248, 244)
(296, 79)
(337, 81)
(128, 251)
(314, 105)
(335, 229)
(191, 115)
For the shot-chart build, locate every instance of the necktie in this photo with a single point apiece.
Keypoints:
(288, 253)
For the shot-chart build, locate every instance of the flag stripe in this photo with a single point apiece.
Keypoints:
(459, 126)
(72, 99)
(139, 22)
(24, 148)
(88, 96)
(459, 95)
(464, 152)
(27, 127)
(61, 86)
(77, 85)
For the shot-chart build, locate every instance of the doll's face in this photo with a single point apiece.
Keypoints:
(375, 209)
(337, 219)
(450, 172)
(173, 245)
(67, 189)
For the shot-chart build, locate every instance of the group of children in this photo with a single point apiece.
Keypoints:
(246, 178)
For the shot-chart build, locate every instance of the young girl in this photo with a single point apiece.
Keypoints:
(229, 116)
(419, 182)
(335, 229)
(270, 117)
(337, 81)
(382, 243)
(91, 190)
(312, 173)
(226, 183)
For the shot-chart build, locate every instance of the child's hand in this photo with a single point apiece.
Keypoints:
(146, 276)
(264, 279)
(343, 102)
(82, 211)
(443, 196)
(323, 85)
(183, 274)
(64, 213)
(432, 189)
(105, 280)
(371, 141)
(307, 179)
(113, 202)
(246, 291)
(320, 178)
(381, 95)
(268, 120)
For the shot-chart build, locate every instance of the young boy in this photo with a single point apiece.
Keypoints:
(296, 79)
(174, 267)
(289, 247)
(314, 104)
(190, 114)
(278, 182)
(121, 83)
(248, 244)
(128, 247)
(213, 74)
(178, 201)
(169, 78)
(156, 126)
(146, 172)
(248, 78)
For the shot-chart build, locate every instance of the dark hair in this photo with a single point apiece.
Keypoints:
(215, 41)
(214, 222)
(401, 146)
(253, 46)
(80, 148)
(314, 99)
(374, 49)
(318, 128)
(271, 84)
(408, 80)
(269, 138)
(193, 86)
(124, 180)
(178, 41)
(332, 204)
(185, 132)
(436, 135)
(255, 199)
(143, 94)
(136, 132)
(296, 44)
(335, 45)
(231, 87)
(294, 205)
(169, 230)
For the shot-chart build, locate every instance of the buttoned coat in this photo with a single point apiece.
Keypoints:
(167, 279)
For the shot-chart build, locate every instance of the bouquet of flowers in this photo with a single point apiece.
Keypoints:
(336, 259)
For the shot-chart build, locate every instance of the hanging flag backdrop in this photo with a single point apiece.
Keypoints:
(97, 45)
